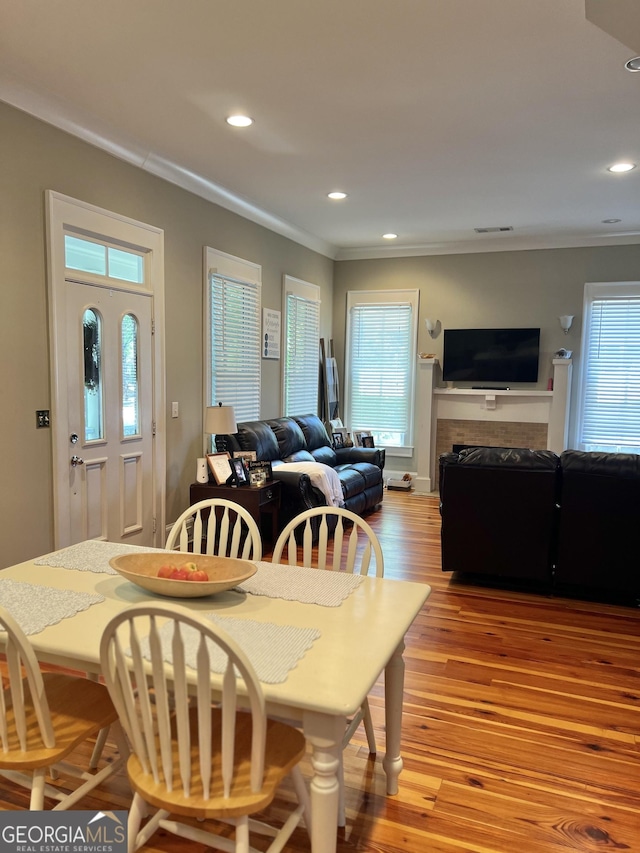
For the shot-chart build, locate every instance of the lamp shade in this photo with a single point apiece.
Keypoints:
(220, 420)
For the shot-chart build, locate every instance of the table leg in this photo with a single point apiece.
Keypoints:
(324, 733)
(393, 700)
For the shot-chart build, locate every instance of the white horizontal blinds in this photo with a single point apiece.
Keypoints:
(301, 367)
(611, 382)
(380, 372)
(235, 365)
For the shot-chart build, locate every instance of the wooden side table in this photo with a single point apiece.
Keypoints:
(260, 501)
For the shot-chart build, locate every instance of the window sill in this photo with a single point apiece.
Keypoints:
(399, 451)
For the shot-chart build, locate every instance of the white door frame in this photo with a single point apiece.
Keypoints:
(63, 211)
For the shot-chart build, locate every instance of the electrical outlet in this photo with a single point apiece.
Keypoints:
(175, 410)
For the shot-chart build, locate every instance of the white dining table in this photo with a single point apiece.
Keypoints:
(354, 643)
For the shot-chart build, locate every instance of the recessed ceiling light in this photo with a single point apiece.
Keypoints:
(610, 221)
(622, 167)
(390, 236)
(633, 64)
(239, 121)
(337, 195)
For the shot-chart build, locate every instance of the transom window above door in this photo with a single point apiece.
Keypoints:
(101, 259)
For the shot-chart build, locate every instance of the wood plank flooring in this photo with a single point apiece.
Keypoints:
(521, 720)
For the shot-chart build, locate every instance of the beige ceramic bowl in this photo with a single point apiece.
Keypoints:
(141, 568)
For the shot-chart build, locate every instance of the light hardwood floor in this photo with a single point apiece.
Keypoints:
(521, 720)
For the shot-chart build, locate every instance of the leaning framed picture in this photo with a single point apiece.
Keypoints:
(338, 440)
(220, 466)
(367, 441)
(359, 435)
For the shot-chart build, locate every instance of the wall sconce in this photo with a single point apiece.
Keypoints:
(432, 326)
(565, 322)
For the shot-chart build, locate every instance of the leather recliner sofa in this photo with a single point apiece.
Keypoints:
(566, 521)
(305, 439)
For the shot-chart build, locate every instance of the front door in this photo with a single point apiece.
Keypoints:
(110, 420)
(106, 308)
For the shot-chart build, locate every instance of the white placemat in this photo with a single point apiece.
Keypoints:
(272, 649)
(298, 583)
(37, 607)
(91, 556)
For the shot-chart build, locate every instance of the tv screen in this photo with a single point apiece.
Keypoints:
(491, 355)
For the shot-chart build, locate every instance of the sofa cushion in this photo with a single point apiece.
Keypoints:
(369, 473)
(299, 456)
(288, 435)
(352, 481)
(314, 431)
(258, 436)
(326, 455)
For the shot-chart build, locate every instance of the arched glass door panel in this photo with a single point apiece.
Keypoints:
(93, 389)
(130, 376)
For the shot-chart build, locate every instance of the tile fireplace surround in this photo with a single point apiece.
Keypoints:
(499, 418)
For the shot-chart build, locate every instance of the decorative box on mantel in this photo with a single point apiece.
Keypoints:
(500, 418)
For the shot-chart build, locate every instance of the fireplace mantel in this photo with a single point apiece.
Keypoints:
(500, 406)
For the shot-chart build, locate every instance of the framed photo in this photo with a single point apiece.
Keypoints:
(338, 440)
(260, 472)
(246, 455)
(359, 435)
(239, 472)
(367, 441)
(220, 466)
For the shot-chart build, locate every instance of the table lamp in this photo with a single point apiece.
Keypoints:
(220, 420)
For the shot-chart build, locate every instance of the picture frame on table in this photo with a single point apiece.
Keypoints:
(259, 472)
(239, 472)
(247, 456)
(339, 437)
(368, 441)
(359, 435)
(220, 466)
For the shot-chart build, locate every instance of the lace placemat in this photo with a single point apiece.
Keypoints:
(90, 556)
(298, 583)
(37, 607)
(273, 650)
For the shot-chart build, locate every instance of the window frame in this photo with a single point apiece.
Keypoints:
(310, 293)
(595, 293)
(379, 298)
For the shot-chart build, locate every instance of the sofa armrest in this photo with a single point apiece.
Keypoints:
(374, 455)
(297, 493)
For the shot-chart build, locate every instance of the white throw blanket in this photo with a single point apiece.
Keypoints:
(323, 477)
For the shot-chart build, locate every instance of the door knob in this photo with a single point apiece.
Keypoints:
(76, 460)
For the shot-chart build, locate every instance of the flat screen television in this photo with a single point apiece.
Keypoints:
(491, 355)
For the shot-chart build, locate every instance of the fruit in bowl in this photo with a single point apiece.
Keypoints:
(186, 572)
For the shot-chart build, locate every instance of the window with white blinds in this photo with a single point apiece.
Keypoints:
(380, 362)
(234, 364)
(610, 387)
(301, 347)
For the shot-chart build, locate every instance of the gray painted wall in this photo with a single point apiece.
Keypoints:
(492, 290)
(35, 157)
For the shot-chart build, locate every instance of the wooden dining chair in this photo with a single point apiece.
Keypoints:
(191, 759)
(223, 527)
(44, 716)
(354, 545)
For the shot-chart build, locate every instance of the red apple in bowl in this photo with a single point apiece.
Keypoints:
(198, 575)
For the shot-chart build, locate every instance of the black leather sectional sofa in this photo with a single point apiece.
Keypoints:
(569, 522)
(305, 439)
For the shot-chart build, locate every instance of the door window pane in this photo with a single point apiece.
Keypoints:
(84, 255)
(126, 266)
(130, 384)
(92, 350)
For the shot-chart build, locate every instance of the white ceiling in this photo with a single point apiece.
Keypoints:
(436, 116)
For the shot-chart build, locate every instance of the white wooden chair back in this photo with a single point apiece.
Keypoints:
(360, 536)
(223, 530)
(152, 698)
(22, 665)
